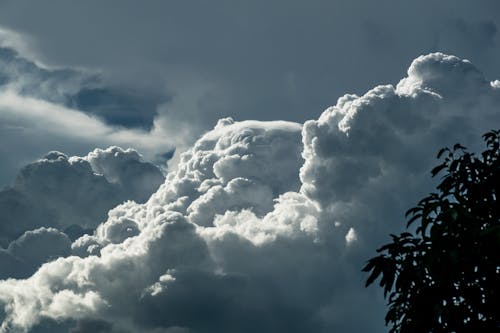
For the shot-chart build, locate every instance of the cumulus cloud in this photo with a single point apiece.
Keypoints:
(366, 145)
(74, 193)
(126, 169)
(264, 226)
(35, 247)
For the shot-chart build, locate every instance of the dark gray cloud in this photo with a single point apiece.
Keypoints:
(27, 77)
(234, 241)
(27, 253)
(258, 60)
(247, 234)
(176, 67)
(74, 193)
(67, 109)
(88, 326)
(31, 126)
(82, 90)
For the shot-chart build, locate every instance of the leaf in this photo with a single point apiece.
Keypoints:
(386, 247)
(441, 151)
(375, 265)
(454, 165)
(458, 146)
(373, 276)
(413, 219)
(368, 267)
(412, 211)
(389, 276)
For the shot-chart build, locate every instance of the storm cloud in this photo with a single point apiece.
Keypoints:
(176, 68)
(263, 226)
(252, 60)
(74, 194)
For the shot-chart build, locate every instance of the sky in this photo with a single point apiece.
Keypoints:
(224, 166)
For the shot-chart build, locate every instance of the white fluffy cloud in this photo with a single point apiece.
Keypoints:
(369, 156)
(264, 226)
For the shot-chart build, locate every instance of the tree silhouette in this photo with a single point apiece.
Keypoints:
(444, 275)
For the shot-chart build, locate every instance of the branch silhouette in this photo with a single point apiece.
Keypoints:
(443, 274)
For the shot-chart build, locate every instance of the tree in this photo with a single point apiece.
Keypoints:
(443, 274)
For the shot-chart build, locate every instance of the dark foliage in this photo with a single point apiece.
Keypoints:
(445, 275)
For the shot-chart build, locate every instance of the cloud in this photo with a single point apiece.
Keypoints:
(264, 226)
(38, 117)
(28, 78)
(13, 40)
(74, 110)
(126, 169)
(27, 253)
(176, 72)
(263, 71)
(84, 89)
(32, 126)
(97, 326)
(74, 193)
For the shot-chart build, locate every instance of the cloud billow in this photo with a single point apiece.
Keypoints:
(264, 226)
(24, 255)
(58, 198)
